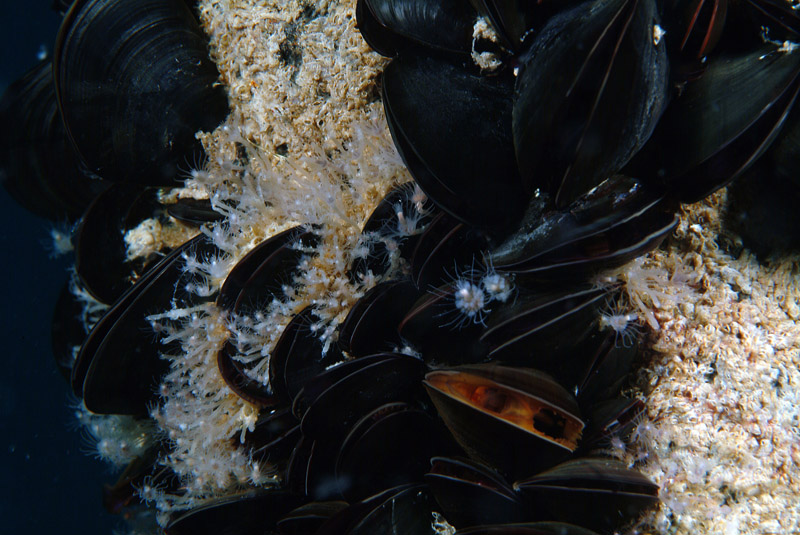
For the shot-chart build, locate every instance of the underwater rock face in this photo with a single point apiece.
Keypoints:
(306, 144)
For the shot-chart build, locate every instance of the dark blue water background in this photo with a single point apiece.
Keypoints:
(49, 485)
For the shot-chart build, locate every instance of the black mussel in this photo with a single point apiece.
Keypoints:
(697, 26)
(518, 420)
(531, 330)
(371, 325)
(605, 491)
(298, 356)
(783, 157)
(254, 281)
(309, 518)
(387, 447)
(407, 509)
(389, 26)
(721, 123)
(444, 246)
(248, 513)
(343, 400)
(529, 528)
(134, 84)
(261, 274)
(590, 90)
(615, 222)
(194, 211)
(117, 370)
(463, 160)
(610, 356)
(471, 494)
(391, 232)
(38, 166)
(101, 250)
(612, 420)
(123, 493)
(445, 325)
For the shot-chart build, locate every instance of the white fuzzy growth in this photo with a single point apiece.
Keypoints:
(469, 299)
(498, 287)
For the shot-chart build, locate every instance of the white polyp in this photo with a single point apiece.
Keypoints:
(498, 287)
(470, 299)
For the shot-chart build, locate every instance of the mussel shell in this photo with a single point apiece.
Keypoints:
(615, 222)
(298, 356)
(117, 370)
(542, 327)
(697, 25)
(471, 494)
(516, 419)
(390, 26)
(261, 274)
(440, 332)
(387, 447)
(721, 123)
(446, 244)
(371, 325)
(38, 166)
(407, 509)
(134, 84)
(101, 259)
(384, 230)
(464, 159)
(590, 91)
(309, 518)
(347, 399)
(605, 491)
(248, 513)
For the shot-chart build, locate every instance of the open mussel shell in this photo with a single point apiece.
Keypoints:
(615, 222)
(248, 513)
(38, 166)
(516, 419)
(117, 370)
(471, 494)
(134, 84)
(464, 160)
(721, 123)
(590, 91)
(605, 491)
(390, 26)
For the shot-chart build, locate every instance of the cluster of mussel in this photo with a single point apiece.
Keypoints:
(477, 383)
(91, 134)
